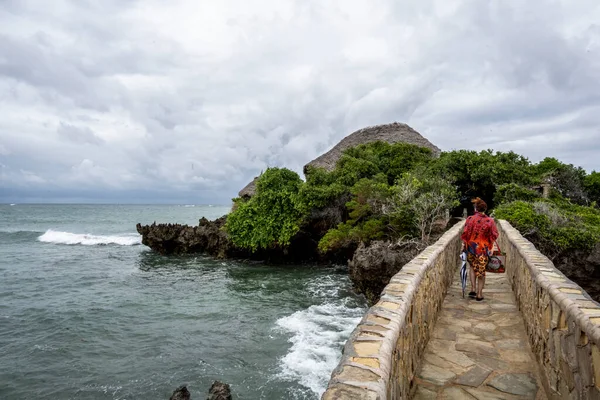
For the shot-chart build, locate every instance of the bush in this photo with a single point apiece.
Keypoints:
(509, 192)
(479, 174)
(272, 216)
(592, 186)
(558, 228)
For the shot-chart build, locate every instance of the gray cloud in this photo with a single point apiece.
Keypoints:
(189, 100)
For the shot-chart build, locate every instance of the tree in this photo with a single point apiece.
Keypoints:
(426, 198)
(272, 216)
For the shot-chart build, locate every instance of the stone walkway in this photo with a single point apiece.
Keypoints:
(479, 349)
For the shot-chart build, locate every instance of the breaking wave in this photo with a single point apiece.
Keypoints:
(59, 237)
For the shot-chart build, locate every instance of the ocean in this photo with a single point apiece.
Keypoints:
(88, 312)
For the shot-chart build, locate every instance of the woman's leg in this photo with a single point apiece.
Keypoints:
(480, 285)
(473, 278)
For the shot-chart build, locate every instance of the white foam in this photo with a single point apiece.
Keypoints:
(59, 237)
(318, 335)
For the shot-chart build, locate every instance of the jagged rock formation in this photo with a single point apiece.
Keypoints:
(219, 391)
(208, 237)
(390, 133)
(181, 393)
(373, 266)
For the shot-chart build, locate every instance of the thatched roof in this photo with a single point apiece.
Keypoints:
(390, 133)
(249, 190)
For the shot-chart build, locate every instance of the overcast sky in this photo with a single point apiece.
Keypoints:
(186, 100)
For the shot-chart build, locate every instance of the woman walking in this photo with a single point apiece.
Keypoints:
(478, 239)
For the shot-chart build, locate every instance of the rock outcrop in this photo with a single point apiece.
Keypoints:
(181, 393)
(373, 266)
(208, 237)
(219, 391)
(390, 133)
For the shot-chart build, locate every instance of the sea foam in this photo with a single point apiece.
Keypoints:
(318, 335)
(59, 237)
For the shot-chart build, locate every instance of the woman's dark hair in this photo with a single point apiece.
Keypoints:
(479, 204)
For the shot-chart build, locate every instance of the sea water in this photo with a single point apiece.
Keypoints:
(88, 312)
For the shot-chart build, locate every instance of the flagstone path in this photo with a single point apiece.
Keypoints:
(479, 349)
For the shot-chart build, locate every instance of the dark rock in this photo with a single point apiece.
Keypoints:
(181, 393)
(373, 266)
(208, 237)
(219, 391)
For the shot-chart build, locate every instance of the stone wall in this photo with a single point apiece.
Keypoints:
(562, 321)
(384, 352)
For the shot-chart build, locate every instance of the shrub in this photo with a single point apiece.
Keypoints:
(509, 192)
(272, 216)
(558, 228)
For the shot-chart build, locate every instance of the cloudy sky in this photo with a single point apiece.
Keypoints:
(186, 100)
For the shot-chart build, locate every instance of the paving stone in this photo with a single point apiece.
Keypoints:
(424, 394)
(517, 356)
(456, 357)
(436, 375)
(512, 344)
(438, 361)
(482, 394)
(505, 307)
(455, 393)
(486, 326)
(478, 347)
(475, 344)
(474, 377)
(519, 384)
(490, 362)
(443, 333)
(467, 336)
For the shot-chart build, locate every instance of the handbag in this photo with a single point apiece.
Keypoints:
(497, 261)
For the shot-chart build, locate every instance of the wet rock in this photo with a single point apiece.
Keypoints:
(219, 391)
(181, 393)
(372, 266)
(208, 237)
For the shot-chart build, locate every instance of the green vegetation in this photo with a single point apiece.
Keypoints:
(557, 226)
(400, 191)
(272, 217)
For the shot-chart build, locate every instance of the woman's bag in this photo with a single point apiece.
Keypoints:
(497, 260)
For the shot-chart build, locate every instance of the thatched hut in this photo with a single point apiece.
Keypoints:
(249, 190)
(390, 133)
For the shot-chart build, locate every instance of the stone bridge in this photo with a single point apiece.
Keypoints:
(535, 336)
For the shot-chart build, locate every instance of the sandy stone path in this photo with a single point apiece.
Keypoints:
(479, 349)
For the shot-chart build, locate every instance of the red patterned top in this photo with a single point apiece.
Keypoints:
(479, 234)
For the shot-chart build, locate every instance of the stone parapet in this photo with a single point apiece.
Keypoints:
(562, 321)
(384, 351)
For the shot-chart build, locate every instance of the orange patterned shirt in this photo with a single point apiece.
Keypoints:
(479, 234)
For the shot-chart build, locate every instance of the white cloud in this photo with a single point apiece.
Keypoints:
(197, 97)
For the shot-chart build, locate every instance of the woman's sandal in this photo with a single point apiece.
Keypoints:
(479, 298)
(472, 294)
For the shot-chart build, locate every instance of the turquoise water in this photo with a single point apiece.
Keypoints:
(87, 312)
